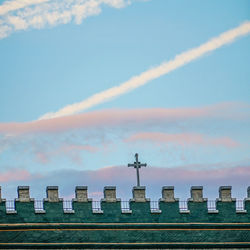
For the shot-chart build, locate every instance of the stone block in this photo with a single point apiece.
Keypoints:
(81, 194)
(52, 193)
(139, 194)
(1, 199)
(197, 194)
(168, 194)
(110, 194)
(225, 193)
(23, 193)
(247, 200)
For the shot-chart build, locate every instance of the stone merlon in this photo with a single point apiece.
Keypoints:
(196, 193)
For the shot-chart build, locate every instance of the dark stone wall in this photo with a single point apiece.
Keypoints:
(113, 229)
(111, 212)
(139, 227)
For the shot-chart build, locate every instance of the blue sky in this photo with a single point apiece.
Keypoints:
(46, 67)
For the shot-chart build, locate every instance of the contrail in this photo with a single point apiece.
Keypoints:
(146, 76)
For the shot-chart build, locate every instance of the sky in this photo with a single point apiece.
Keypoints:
(86, 84)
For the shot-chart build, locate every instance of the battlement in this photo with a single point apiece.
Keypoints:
(113, 223)
(113, 209)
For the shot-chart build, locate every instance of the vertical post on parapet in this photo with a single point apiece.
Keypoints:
(139, 194)
(110, 194)
(24, 204)
(52, 194)
(197, 205)
(110, 205)
(53, 205)
(225, 204)
(225, 193)
(168, 194)
(169, 205)
(139, 204)
(247, 201)
(2, 207)
(23, 193)
(0, 194)
(81, 194)
(137, 165)
(196, 193)
(81, 204)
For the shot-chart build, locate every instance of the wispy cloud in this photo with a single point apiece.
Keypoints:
(15, 175)
(151, 74)
(9, 6)
(25, 14)
(183, 139)
(179, 136)
(178, 174)
(135, 117)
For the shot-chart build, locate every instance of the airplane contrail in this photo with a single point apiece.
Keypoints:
(164, 68)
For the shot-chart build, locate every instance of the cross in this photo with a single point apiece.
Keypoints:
(137, 165)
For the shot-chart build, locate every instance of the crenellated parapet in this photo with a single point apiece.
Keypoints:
(113, 209)
(113, 223)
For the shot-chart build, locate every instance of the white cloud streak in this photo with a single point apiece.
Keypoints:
(151, 74)
(27, 14)
(9, 6)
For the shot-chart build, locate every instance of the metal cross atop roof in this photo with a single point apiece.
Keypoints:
(137, 165)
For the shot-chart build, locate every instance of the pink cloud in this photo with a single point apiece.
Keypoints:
(188, 173)
(203, 175)
(183, 139)
(15, 175)
(116, 117)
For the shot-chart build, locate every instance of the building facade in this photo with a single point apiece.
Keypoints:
(26, 225)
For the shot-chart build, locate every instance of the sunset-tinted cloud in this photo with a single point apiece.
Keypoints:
(15, 175)
(116, 117)
(207, 134)
(183, 139)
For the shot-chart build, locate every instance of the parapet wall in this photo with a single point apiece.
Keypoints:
(135, 227)
(138, 208)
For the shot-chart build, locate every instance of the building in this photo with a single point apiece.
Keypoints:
(52, 225)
